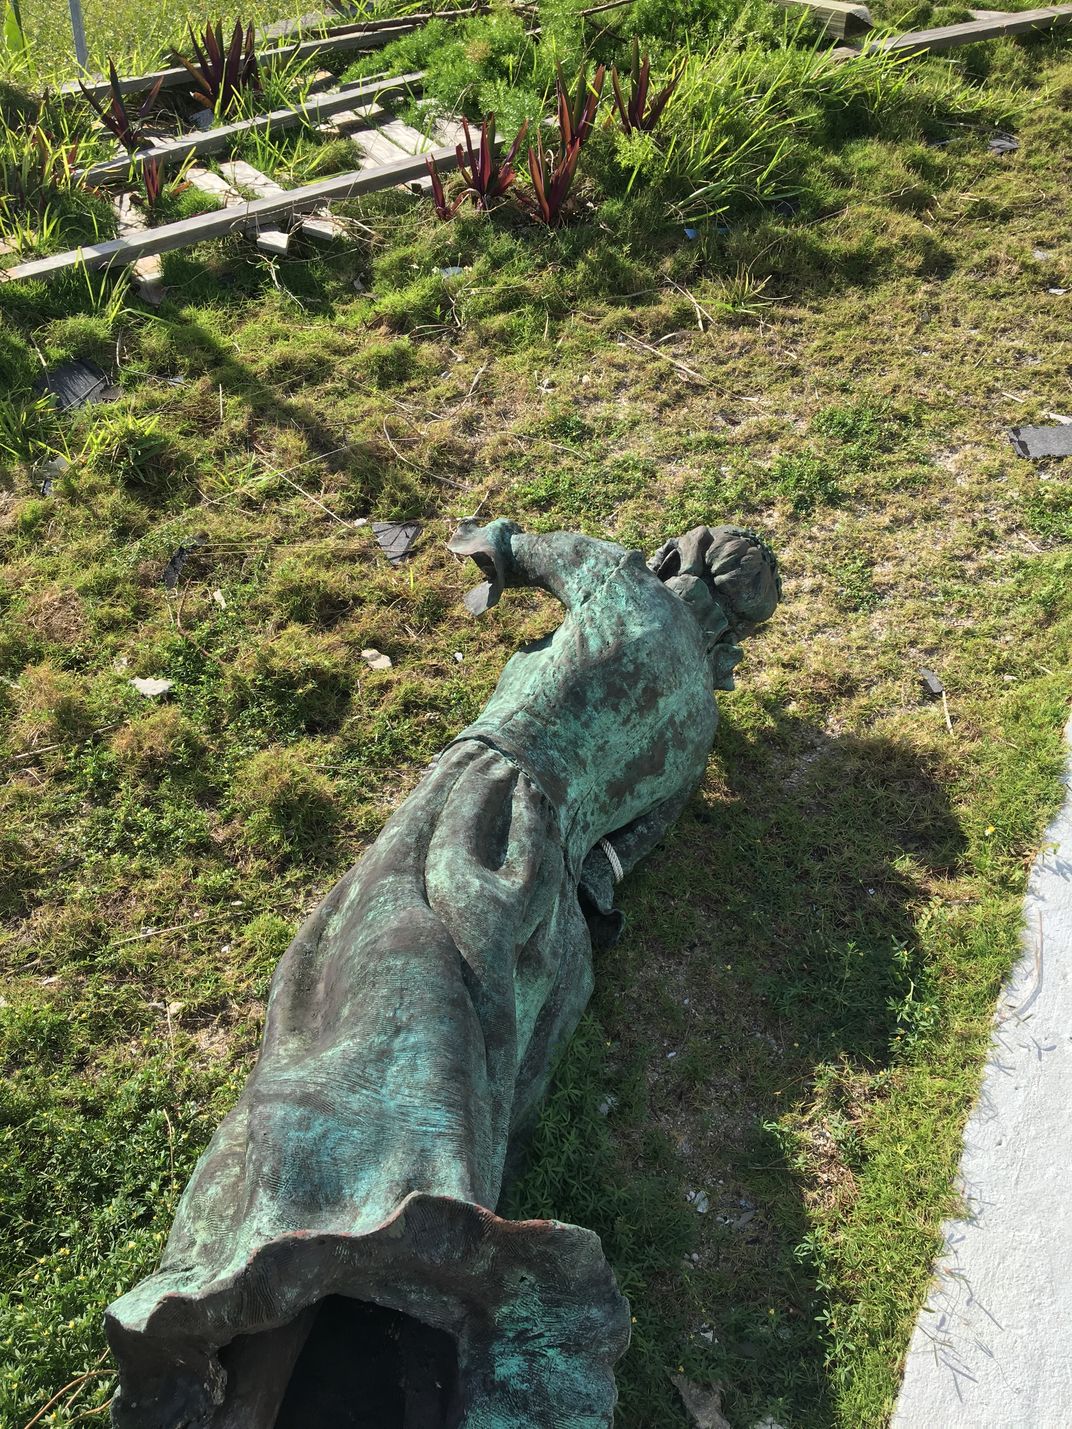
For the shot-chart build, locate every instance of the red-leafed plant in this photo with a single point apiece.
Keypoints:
(221, 74)
(552, 173)
(443, 207)
(116, 117)
(641, 112)
(576, 115)
(152, 177)
(488, 175)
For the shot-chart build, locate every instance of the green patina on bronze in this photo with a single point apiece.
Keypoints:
(343, 1213)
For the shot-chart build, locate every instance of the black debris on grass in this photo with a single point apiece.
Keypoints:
(169, 576)
(76, 384)
(396, 538)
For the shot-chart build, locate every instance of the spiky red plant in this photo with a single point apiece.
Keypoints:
(221, 74)
(488, 175)
(639, 112)
(116, 117)
(443, 207)
(552, 173)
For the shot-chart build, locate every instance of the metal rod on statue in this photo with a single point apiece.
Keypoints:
(78, 29)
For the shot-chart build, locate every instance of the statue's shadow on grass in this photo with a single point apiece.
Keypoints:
(771, 964)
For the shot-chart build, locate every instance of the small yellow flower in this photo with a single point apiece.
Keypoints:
(990, 829)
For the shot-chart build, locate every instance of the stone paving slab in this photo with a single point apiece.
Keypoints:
(992, 1348)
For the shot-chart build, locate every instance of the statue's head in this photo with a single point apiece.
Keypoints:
(729, 580)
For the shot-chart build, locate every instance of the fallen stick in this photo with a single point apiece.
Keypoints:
(305, 24)
(174, 928)
(681, 367)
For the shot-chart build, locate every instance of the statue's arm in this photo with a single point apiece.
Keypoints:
(636, 840)
(630, 844)
(568, 566)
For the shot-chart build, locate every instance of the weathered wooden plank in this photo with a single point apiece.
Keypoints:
(948, 37)
(211, 141)
(351, 119)
(837, 18)
(119, 251)
(404, 136)
(322, 226)
(304, 24)
(176, 77)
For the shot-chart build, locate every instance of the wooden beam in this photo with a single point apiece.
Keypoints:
(175, 152)
(306, 24)
(837, 18)
(120, 251)
(948, 37)
(350, 39)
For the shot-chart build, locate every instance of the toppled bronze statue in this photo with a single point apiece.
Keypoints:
(335, 1259)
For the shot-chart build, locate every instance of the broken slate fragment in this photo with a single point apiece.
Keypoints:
(703, 1406)
(151, 687)
(396, 538)
(1035, 442)
(48, 472)
(1003, 144)
(931, 683)
(75, 384)
(169, 576)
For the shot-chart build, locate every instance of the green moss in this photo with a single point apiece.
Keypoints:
(286, 806)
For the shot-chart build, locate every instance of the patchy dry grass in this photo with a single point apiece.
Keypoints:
(795, 1022)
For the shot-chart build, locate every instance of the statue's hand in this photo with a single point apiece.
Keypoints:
(489, 547)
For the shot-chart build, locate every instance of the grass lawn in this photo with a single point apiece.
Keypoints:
(828, 344)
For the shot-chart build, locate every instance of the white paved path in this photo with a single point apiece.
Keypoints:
(993, 1346)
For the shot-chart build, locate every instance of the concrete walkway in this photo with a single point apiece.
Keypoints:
(993, 1345)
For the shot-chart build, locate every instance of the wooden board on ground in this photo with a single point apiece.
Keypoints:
(948, 37)
(837, 18)
(175, 152)
(188, 231)
(175, 78)
(390, 137)
(304, 24)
